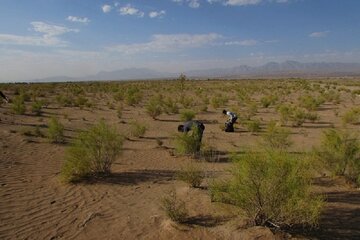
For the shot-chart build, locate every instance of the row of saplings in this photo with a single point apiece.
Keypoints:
(271, 187)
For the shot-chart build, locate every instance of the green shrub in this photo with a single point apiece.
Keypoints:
(192, 175)
(276, 137)
(174, 208)
(187, 115)
(219, 101)
(352, 116)
(18, 105)
(133, 96)
(339, 151)
(266, 101)
(92, 152)
(271, 187)
(188, 143)
(298, 118)
(56, 131)
(154, 106)
(310, 103)
(36, 108)
(253, 126)
(137, 129)
(170, 106)
(285, 111)
(81, 102)
(312, 116)
(65, 101)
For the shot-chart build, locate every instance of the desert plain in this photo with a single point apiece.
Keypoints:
(127, 203)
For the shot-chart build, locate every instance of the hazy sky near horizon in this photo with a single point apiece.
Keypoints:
(42, 38)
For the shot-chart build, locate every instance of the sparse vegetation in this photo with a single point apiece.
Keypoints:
(56, 131)
(18, 105)
(340, 152)
(187, 143)
(192, 175)
(92, 152)
(187, 115)
(273, 188)
(137, 129)
(276, 137)
(174, 207)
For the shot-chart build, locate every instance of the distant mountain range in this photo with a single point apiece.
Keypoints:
(271, 69)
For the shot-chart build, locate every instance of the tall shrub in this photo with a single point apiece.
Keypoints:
(271, 188)
(92, 152)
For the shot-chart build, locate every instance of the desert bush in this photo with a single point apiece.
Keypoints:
(81, 102)
(187, 115)
(352, 116)
(298, 118)
(92, 152)
(266, 101)
(312, 116)
(186, 102)
(188, 143)
(339, 151)
(55, 131)
(276, 137)
(191, 174)
(310, 103)
(170, 106)
(137, 129)
(36, 108)
(154, 106)
(271, 188)
(133, 96)
(119, 95)
(181, 83)
(252, 126)
(18, 105)
(219, 101)
(65, 100)
(251, 110)
(285, 111)
(331, 96)
(174, 208)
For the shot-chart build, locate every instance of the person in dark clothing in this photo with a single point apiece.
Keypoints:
(197, 129)
(229, 124)
(4, 97)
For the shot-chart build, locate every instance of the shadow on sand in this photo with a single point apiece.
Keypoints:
(133, 177)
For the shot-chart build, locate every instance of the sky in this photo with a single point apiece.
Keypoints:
(76, 38)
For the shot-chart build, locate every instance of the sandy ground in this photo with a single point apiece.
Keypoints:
(34, 204)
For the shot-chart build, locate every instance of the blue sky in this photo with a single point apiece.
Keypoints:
(42, 38)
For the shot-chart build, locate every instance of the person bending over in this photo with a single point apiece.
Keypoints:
(197, 129)
(4, 97)
(229, 124)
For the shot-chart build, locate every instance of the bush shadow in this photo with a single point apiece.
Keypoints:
(132, 178)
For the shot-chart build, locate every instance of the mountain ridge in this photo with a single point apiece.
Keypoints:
(272, 69)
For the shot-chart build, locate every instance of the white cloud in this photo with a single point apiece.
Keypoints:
(78, 19)
(49, 37)
(249, 42)
(106, 8)
(245, 2)
(242, 2)
(129, 10)
(194, 3)
(51, 30)
(319, 34)
(167, 43)
(190, 3)
(158, 14)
